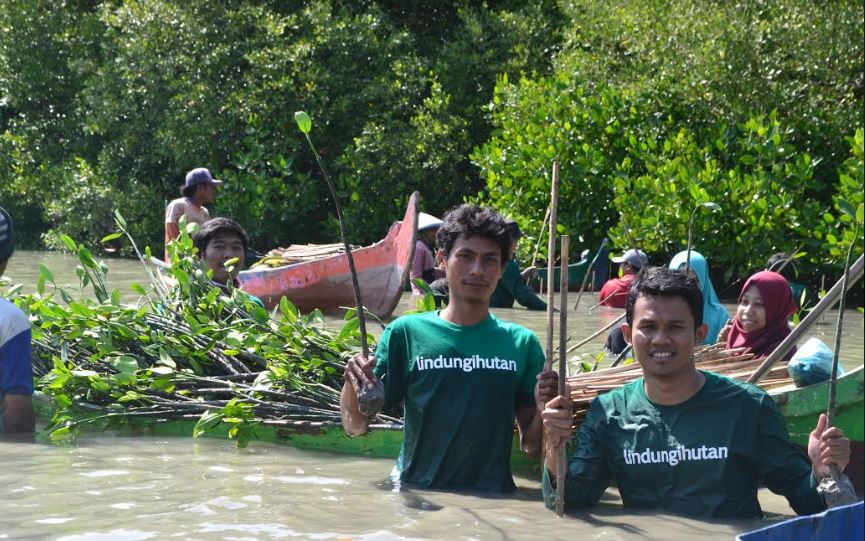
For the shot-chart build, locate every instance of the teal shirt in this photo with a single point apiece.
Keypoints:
(461, 387)
(702, 457)
(512, 287)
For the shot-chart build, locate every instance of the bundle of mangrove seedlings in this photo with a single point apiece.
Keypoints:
(733, 363)
(300, 253)
(194, 351)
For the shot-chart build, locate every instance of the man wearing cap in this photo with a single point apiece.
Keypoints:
(16, 370)
(423, 265)
(615, 291)
(512, 285)
(198, 190)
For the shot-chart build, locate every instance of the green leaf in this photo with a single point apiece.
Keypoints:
(860, 214)
(112, 236)
(43, 271)
(846, 207)
(124, 363)
(70, 244)
(208, 420)
(712, 205)
(303, 121)
(119, 219)
(137, 289)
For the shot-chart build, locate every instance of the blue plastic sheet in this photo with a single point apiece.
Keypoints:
(840, 523)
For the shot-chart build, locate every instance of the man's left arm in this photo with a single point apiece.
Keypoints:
(520, 291)
(785, 468)
(532, 392)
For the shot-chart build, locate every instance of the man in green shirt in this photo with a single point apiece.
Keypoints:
(512, 285)
(681, 440)
(463, 375)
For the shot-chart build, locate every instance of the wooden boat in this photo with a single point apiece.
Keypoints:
(382, 272)
(576, 273)
(801, 408)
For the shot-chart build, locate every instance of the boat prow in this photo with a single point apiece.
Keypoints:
(382, 272)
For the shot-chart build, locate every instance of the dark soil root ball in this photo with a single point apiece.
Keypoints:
(370, 401)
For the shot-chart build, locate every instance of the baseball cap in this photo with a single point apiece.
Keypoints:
(200, 175)
(634, 258)
(7, 236)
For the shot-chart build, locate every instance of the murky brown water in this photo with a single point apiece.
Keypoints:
(155, 488)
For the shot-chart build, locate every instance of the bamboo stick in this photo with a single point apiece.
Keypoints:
(551, 251)
(561, 465)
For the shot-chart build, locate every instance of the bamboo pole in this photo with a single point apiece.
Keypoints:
(597, 333)
(825, 303)
(561, 465)
(551, 251)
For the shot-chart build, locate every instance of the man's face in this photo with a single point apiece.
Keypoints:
(663, 335)
(206, 193)
(473, 269)
(221, 248)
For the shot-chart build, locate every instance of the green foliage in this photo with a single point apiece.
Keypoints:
(143, 90)
(837, 228)
(175, 352)
(761, 182)
(559, 118)
(654, 108)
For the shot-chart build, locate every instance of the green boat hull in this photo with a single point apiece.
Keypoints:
(576, 273)
(801, 408)
(382, 441)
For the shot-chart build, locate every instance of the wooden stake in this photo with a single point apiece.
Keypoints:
(551, 268)
(562, 464)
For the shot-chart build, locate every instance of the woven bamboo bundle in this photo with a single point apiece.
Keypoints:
(300, 253)
(732, 363)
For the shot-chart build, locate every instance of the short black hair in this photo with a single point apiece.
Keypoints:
(655, 282)
(789, 272)
(188, 191)
(514, 230)
(473, 221)
(216, 226)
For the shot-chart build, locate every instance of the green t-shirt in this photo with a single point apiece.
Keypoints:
(461, 387)
(702, 457)
(512, 287)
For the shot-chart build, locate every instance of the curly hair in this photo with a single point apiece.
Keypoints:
(473, 221)
(655, 282)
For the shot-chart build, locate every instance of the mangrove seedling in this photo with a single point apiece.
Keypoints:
(709, 205)
(369, 401)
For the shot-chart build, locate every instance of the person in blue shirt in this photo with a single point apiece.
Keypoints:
(16, 370)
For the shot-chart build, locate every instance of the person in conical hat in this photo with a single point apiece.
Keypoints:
(423, 265)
